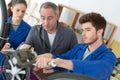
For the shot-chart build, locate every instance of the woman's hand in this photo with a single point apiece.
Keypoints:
(5, 48)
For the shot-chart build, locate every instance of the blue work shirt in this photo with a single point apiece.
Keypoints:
(99, 64)
(18, 36)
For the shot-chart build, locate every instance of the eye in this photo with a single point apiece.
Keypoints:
(23, 11)
(50, 18)
(88, 30)
(17, 10)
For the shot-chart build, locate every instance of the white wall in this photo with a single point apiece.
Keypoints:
(110, 9)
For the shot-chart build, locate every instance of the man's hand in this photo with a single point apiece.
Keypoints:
(24, 46)
(42, 62)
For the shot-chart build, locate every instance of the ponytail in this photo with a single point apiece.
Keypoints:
(9, 12)
(13, 3)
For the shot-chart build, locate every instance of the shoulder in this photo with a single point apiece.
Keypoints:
(9, 19)
(104, 51)
(35, 29)
(64, 29)
(110, 52)
(26, 24)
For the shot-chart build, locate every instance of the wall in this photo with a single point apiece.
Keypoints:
(110, 9)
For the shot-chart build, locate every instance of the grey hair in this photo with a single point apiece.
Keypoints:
(50, 5)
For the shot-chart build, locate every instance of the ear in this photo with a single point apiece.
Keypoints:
(11, 8)
(100, 31)
(57, 17)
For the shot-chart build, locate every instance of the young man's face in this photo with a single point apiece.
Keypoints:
(89, 33)
(48, 19)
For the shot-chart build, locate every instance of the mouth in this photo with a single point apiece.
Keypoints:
(84, 38)
(19, 17)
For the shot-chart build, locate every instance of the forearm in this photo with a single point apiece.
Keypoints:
(43, 61)
(67, 64)
(46, 55)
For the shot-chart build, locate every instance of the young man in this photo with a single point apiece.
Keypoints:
(92, 58)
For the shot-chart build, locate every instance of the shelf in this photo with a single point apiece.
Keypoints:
(73, 16)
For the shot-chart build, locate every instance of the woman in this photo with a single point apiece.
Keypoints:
(19, 29)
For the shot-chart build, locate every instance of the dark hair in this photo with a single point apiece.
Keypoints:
(13, 3)
(50, 5)
(96, 19)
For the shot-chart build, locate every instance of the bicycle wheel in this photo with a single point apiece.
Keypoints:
(12, 72)
(4, 26)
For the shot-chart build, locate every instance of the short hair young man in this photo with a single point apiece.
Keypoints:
(92, 58)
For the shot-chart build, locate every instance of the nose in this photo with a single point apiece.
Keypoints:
(83, 33)
(45, 22)
(21, 13)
